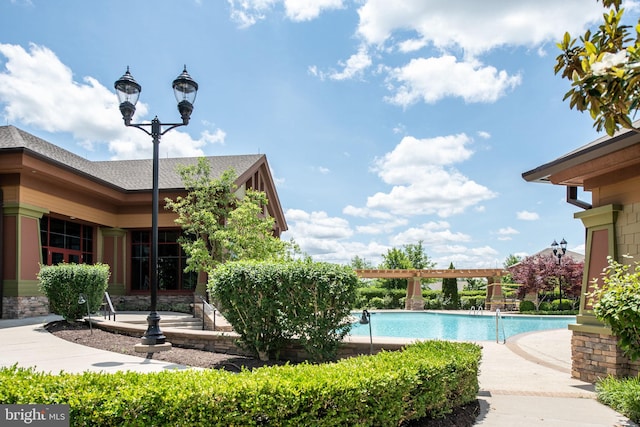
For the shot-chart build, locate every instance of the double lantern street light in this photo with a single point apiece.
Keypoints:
(559, 253)
(128, 90)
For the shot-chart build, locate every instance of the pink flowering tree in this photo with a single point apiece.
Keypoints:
(542, 274)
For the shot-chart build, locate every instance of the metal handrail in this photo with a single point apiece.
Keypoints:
(207, 308)
(500, 321)
(108, 307)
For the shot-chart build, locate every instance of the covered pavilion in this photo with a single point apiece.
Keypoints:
(415, 301)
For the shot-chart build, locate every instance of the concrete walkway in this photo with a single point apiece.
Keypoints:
(526, 382)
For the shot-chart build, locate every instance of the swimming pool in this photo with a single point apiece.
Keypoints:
(450, 326)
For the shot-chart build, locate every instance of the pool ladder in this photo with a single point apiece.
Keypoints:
(499, 323)
(473, 310)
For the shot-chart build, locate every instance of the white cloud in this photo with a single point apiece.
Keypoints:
(484, 135)
(248, 12)
(306, 10)
(506, 233)
(473, 26)
(327, 238)
(432, 79)
(354, 67)
(527, 216)
(317, 225)
(466, 257)
(430, 233)
(366, 213)
(412, 153)
(422, 185)
(382, 227)
(322, 170)
(38, 90)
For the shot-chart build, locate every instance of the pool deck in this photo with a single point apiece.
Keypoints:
(526, 381)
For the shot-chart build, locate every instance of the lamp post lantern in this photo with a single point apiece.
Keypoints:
(366, 320)
(559, 253)
(128, 90)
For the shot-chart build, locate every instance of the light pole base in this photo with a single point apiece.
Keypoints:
(153, 335)
(149, 349)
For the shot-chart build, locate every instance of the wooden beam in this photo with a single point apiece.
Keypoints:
(431, 274)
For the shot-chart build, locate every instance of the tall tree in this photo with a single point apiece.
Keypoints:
(450, 292)
(358, 263)
(511, 260)
(417, 256)
(508, 262)
(220, 225)
(395, 259)
(603, 67)
(411, 256)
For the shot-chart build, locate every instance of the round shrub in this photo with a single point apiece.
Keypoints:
(566, 304)
(545, 306)
(64, 283)
(526, 305)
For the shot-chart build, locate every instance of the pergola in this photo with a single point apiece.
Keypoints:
(414, 300)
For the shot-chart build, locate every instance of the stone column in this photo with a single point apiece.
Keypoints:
(414, 300)
(594, 351)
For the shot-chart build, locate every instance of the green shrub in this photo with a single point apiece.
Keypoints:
(473, 293)
(371, 292)
(391, 298)
(526, 305)
(545, 306)
(376, 302)
(64, 283)
(617, 304)
(269, 303)
(429, 294)
(566, 305)
(623, 395)
(466, 302)
(427, 379)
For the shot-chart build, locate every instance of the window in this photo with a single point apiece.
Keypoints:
(65, 241)
(171, 262)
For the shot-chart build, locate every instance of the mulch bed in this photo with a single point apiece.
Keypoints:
(80, 333)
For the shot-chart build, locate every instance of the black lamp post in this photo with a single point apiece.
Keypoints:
(128, 90)
(366, 320)
(559, 253)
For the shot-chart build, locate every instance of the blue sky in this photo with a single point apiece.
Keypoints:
(384, 122)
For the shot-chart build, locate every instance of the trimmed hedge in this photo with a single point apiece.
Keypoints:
(426, 379)
(373, 297)
(270, 303)
(64, 283)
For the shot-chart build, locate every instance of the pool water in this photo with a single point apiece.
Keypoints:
(462, 327)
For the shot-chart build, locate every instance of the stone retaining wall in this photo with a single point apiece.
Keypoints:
(143, 302)
(225, 342)
(595, 356)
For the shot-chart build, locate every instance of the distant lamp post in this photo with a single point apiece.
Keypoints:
(83, 300)
(559, 253)
(128, 90)
(366, 320)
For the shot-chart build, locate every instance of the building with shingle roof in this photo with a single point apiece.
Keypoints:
(608, 168)
(60, 207)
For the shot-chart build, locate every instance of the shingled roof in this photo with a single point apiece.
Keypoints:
(128, 175)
